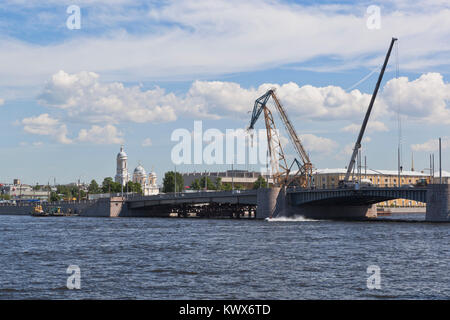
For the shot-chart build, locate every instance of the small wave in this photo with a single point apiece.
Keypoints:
(289, 219)
(2, 290)
(171, 271)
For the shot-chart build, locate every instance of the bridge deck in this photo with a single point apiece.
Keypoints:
(345, 196)
(232, 197)
(369, 195)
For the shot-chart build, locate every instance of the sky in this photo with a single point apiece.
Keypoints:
(135, 71)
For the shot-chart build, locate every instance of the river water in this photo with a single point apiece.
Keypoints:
(151, 258)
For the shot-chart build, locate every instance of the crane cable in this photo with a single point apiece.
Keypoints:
(397, 102)
(363, 79)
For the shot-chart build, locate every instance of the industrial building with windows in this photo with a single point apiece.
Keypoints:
(329, 179)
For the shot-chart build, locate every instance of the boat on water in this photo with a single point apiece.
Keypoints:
(38, 211)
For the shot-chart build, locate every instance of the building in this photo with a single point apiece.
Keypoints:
(122, 175)
(23, 192)
(329, 179)
(235, 177)
(148, 183)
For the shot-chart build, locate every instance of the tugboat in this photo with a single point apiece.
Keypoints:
(52, 212)
(38, 211)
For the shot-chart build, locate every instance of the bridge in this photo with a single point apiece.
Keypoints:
(262, 203)
(363, 196)
(231, 204)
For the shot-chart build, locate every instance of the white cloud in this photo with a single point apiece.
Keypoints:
(82, 96)
(45, 125)
(424, 99)
(345, 152)
(101, 135)
(313, 143)
(214, 99)
(432, 145)
(2, 101)
(147, 142)
(48, 126)
(372, 126)
(190, 38)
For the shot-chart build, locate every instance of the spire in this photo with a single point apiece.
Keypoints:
(412, 161)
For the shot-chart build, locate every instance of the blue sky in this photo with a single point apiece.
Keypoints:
(137, 70)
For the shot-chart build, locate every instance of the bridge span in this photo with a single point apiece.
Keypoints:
(363, 196)
(263, 203)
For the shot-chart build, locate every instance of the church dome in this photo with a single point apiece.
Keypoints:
(122, 154)
(139, 171)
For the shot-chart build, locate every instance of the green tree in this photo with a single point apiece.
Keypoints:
(94, 187)
(64, 190)
(169, 182)
(239, 187)
(209, 184)
(108, 185)
(134, 187)
(5, 197)
(226, 186)
(219, 183)
(260, 183)
(195, 185)
(54, 197)
(37, 187)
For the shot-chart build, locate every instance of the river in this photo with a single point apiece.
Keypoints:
(152, 258)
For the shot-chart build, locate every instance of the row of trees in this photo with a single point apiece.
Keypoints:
(171, 179)
(110, 186)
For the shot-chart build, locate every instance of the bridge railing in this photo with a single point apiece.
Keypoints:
(198, 194)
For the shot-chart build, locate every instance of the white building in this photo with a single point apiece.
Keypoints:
(122, 175)
(148, 183)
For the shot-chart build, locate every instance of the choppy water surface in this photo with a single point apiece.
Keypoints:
(150, 258)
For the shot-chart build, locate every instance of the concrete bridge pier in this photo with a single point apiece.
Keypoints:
(438, 203)
(268, 202)
(273, 202)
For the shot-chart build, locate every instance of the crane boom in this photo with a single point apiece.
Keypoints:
(290, 129)
(366, 118)
(304, 172)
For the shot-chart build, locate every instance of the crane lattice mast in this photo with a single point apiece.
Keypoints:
(280, 169)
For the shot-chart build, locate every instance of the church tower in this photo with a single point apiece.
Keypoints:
(122, 176)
